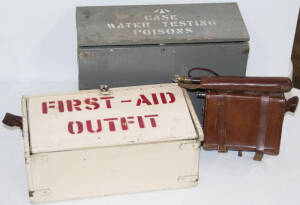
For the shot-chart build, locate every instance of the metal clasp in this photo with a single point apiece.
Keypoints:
(201, 95)
(104, 90)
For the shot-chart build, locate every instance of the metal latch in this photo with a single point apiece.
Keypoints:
(201, 95)
(104, 90)
(40, 193)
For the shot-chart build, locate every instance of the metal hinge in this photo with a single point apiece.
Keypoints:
(190, 178)
(27, 160)
(39, 193)
(37, 159)
(189, 145)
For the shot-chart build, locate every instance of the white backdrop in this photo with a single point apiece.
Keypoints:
(38, 55)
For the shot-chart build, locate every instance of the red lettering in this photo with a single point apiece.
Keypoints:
(79, 127)
(75, 103)
(125, 122)
(163, 98)
(124, 101)
(111, 123)
(172, 97)
(143, 99)
(89, 126)
(107, 101)
(141, 122)
(69, 105)
(45, 106)
(152, 120)
(154, 97)
(61, 106)
(93, 102)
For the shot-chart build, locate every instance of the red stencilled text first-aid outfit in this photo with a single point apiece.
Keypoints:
(97, 142)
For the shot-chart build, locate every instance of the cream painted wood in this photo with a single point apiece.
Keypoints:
(26, 144)
(167, 158)
(49, 132)
(113, 170)
(193, 115)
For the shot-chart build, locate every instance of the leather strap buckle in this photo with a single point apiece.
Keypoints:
(222, 149)
(258, 155)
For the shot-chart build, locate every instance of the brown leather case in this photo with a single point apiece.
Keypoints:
(244, 113)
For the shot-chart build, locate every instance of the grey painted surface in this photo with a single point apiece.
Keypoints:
(160, 24)
(139, 65)
(139, 45)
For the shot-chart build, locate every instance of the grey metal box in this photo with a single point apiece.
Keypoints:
(148, 44)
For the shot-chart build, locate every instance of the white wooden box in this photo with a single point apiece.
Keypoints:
(129, 139)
